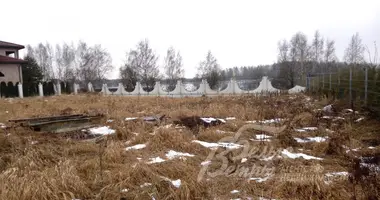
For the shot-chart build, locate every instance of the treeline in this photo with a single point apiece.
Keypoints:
(297, 58)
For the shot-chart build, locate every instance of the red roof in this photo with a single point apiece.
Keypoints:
(10, 45)
(10, 60)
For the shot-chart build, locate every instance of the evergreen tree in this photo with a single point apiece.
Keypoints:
(31, 76)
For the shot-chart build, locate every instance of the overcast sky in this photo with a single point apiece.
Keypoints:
(238, 33)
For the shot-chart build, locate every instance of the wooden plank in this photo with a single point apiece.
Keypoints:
(46, 118)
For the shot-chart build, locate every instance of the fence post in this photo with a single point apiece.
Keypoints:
(323, 80)
(366, 86)
(350, 87)
(20, 90)
(40, 90)
(338, 77)
(75, 89)
(330, 81)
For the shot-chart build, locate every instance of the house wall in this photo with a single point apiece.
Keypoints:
(2, 52)
(11, 73)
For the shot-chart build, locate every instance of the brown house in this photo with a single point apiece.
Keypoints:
(10, 64)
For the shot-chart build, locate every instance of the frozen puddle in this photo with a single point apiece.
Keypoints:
(105, 130)
(311, 139)
(298, 155)
(220, 144)
(136, 147)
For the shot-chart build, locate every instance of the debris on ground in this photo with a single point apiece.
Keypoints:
(148, 119)
(194, 122)
(59, 124)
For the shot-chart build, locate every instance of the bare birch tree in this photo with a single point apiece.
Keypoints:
(354, 53)
(143, 61)
(209, 69)
(173, 67)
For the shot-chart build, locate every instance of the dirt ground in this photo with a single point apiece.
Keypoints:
(301, 149)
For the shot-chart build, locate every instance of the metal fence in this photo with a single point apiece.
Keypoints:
(359, 86)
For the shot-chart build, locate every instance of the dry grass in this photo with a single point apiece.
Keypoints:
(58, 166)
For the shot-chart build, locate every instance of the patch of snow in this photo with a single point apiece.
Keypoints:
(2, 126)
(110, 121)
(145, 185)
(173, 154)
(124, 190)
(372, 167)
(371, 147)
(338, 118)
(136, 147)
(168, 125)
(220, 144)
(259, 180)
(262, 137)
(264, 140)
(155, 160)
(105, 130)
(337, 174)
(7, 111)
(327, 117)
(230, 118)
(268, 158)
(311, 139)
(176, 183)
(222, 120)
(130, 118)
(298, 155)
(139, 158)
(210, 120)
(262, 198)
(207, 162)
(360, 119)
(306, 129)
(234, 191)
(243, 160)
(34, 142)
(269, 121)
(348, 110)
(328, 108)
(223, 132)
(330, 131)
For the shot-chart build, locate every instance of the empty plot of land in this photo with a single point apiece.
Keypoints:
(240, 147)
